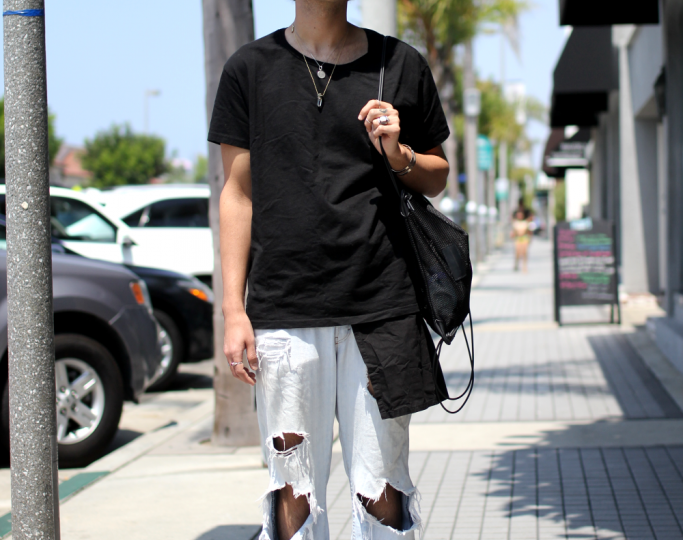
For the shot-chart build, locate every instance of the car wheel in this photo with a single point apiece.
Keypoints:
(89, 399)
(172, 348)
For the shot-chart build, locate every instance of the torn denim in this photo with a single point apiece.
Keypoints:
(306, 377)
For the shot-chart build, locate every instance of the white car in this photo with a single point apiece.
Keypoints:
(173, 217)
(89, 229)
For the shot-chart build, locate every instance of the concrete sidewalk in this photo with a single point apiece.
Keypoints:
(569, 433)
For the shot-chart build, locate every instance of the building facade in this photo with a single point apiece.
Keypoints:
(620, 78)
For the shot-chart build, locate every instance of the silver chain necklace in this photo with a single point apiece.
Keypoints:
(321, 72)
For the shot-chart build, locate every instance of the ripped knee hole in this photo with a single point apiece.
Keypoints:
(370, 388)
(288, 441)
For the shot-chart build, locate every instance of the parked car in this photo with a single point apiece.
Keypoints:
(86, 227)
(107, 349)
(175, 216)
(183, 307)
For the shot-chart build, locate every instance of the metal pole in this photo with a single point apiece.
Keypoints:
(33, 430)
(471, 166)
(491, 203)
(380, 16)
(228, 24)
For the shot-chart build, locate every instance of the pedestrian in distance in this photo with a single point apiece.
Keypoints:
(521, 234)
(310, 218)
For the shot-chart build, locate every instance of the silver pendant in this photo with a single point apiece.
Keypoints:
(321, 74)
(320, 100)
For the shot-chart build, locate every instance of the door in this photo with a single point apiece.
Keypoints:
(84, 230)
(174, 234)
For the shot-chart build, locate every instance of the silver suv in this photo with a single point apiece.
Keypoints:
(107, 349)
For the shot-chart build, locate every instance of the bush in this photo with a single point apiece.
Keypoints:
(118, 156)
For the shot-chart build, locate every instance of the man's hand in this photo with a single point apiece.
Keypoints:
(371, 115)
(239, 335)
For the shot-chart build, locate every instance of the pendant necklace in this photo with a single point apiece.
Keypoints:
(321, 73)
(321, 65)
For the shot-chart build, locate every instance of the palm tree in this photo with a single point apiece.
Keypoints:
(228, 24)
(437, 27)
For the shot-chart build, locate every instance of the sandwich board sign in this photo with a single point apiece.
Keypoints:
(585, 265)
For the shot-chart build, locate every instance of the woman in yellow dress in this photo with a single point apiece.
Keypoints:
(521, 234)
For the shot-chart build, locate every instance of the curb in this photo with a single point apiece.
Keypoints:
(123, 456)
(670, 378)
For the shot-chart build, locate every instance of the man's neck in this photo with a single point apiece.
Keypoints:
(321, 24)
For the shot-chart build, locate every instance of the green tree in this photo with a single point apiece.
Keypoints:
(118, 156)
(438, 26)
(497, 119)
(53, 141)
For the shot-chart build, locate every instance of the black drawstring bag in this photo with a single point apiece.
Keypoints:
(442, 271)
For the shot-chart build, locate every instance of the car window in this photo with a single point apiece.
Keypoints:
(135, 219)
(179, 213)
(75, 220)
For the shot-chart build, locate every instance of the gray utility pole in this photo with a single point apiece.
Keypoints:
(491, 203)
(33, 418)
(504, 216)
(228, 24)
(380, 16)
(472, 109)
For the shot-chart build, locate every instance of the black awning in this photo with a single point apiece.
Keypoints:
(606, 12)
(583, 78)
(580, 109)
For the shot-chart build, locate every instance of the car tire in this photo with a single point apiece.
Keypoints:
(75, 354)
(172, 358)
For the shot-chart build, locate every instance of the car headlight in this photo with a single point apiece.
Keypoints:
(141, 294)
(196, 288)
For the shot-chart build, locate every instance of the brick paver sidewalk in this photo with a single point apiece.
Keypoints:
(568, 435)
(563, 485)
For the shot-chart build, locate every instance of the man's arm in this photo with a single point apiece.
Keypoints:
(235, 241)
(430, 172)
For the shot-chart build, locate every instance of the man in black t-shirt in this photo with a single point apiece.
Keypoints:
(309, 217)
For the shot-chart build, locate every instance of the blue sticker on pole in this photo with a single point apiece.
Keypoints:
(25, 13)
(484, 153)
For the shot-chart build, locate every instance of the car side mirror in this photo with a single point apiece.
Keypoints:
(128, 241)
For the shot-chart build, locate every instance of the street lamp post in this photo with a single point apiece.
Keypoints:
(33, 430)
(149, 94)
(380, 15)
(472, 106)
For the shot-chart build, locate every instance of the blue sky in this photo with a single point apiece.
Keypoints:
(103, 55)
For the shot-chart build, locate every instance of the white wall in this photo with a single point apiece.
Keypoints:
(577, 192)
(645, 58)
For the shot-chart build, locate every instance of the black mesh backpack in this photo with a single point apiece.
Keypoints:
(442, 271)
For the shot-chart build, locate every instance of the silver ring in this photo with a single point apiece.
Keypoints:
(384, 120)
(233, 364)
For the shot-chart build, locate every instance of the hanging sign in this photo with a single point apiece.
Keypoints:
(484, 153)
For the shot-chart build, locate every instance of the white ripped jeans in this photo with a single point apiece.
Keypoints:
(305, 377)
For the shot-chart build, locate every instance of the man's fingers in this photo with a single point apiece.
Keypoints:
(245, 375)
(373, 104)
(374, 114)
(252, 358)
(378, 131)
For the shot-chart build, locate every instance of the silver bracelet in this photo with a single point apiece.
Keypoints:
(409, 167)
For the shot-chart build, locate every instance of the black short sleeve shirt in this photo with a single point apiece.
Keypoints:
(327, 242)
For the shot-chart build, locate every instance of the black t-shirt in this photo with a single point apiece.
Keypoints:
(327, 240)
